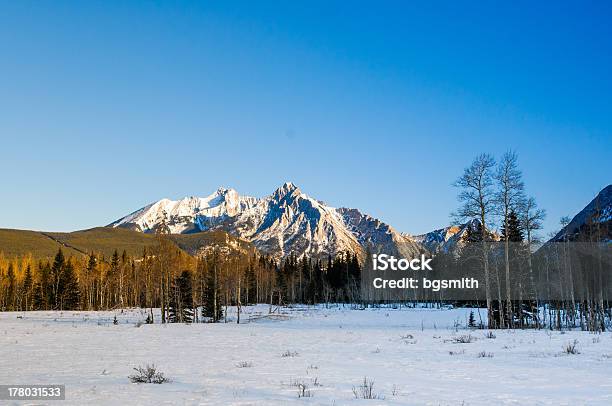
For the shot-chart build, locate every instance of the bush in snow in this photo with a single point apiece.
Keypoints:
(148, 374)
(289, 354)
(464, 339)
(366, 390)
(244, 364)
(484, 354)
(303, 391)
(571, 348)
(490, 335)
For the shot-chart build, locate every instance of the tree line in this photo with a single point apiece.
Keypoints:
(185, 288)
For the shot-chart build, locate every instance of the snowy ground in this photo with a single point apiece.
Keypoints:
(411, 355)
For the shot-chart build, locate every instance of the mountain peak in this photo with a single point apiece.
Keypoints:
(222, 190)
(288, 188)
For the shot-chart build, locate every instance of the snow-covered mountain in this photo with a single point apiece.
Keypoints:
(191, 214)
(447, 239)
(595, 220)
(288, 221)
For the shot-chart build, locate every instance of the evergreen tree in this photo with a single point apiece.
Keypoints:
(28, 285)
(515, 229)
(354, 268)
(114, 263)
(471, 320)
(69, 293)
(11, 291)
(180, 309)
(251, 284)
(319, 281)
(55, 279)
(211, 298)
(91, 263)
(474, 232)
(42, 289)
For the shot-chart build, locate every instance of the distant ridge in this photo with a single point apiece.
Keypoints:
(286, 222)
(595, 218)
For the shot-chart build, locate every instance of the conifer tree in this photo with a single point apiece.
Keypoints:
(474, 232)
(180, 309)
(250, 284)
(515, 229)
(42, 289)
(318, 282)
(55, 278)
(211, 303)
(28, 285)
(471, 320)
(11, 291)
(69, 293)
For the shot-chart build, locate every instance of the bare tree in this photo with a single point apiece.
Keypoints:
(567, 265)
(476, 197)
(531, 219)
(509, 197)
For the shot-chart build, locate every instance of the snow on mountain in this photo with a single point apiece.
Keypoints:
(447, 239)
(191, 214)
(377, 236)
(288, 221)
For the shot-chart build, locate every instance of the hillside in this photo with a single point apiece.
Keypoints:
(592, 222)
(105, 240)
(204, 242)
(21, 242)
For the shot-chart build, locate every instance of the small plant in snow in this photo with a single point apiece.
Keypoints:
(596, 340)
(289, 354)
(148, 374)
(456, 352)
(244, 364)
(491, 335)
(395, 391)
(571, 348)
(471, 320)
(303, 391)
(464, 339)
(366, 390)
(484, 354)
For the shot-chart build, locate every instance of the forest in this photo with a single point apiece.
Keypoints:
(166, 277)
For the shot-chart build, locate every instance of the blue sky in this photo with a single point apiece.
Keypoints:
(107, 106)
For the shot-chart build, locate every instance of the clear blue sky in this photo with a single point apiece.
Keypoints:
(107, 106)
